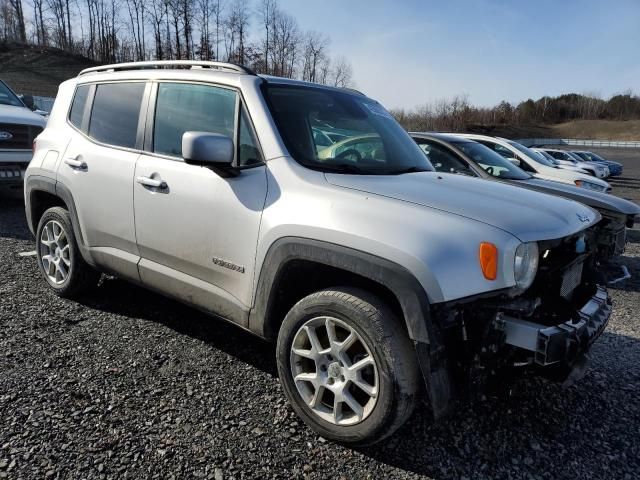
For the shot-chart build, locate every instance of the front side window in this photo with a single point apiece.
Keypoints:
(77, 107)
(115, 112)
(335, 131)
(248, 151)
(184, 107)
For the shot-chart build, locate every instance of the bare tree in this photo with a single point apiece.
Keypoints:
(342, 73)
(19, 18)
(38, 18)
(314, 54)
(157, 14)
(268, 12)
(136, 9)
(286, 38)
(237, 31)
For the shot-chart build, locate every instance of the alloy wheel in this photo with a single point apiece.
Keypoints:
(54, 252)
(334, 371)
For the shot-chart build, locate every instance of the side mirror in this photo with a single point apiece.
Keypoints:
(28, 101)
(210, 150)
(515, 161)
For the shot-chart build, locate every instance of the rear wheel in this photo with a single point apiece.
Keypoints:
(59, 258)
(347, 366)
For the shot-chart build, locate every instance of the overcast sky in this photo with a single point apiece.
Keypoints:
(408, 52)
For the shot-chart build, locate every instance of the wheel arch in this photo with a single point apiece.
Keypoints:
(42, 193)
(336, 265)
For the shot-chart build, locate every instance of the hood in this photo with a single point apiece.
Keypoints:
(21, 115)
(597, 200)
(526, 214)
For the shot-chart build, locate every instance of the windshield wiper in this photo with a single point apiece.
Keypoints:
(338, 168)
(413, 169)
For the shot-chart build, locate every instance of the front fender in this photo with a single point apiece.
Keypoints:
(408, 291)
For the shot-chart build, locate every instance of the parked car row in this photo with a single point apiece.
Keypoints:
(306, 214)
(459, 154)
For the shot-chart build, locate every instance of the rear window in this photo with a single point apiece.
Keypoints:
(77, 107)
(115, 112)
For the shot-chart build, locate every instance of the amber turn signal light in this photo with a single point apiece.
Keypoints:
(489, 260)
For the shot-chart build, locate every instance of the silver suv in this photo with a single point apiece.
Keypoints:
(306, 214)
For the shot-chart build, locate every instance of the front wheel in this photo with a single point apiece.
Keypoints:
(347, 366)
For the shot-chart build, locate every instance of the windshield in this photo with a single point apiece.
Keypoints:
(7, 97)
(583, 156)
(342, 132)
(594, 156)
(492, 162)
(547, 156)
(533, 155)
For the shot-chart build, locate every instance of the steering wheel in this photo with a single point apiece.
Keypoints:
(489, 170)
(350, 154)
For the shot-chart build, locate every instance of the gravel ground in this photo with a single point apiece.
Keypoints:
(128, 384)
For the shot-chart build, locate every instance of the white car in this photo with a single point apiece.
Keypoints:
(537, 164)
(19, 127)
(566, 159)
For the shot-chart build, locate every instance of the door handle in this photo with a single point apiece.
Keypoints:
(73, 162)
(152, 182)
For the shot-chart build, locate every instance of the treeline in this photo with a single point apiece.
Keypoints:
(457, 114)
(256, 34)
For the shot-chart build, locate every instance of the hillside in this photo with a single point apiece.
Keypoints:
(599, 130)
(583, 129)
(38, 70)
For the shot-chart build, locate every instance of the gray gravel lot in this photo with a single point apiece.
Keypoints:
(128, 384)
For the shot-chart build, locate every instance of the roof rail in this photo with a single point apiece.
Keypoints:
(230, 67)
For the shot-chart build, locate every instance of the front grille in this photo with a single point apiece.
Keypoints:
(620, 241)
(571, 279)
(21, 136)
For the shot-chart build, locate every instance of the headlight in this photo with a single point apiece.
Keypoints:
(589, 185)
(525, 265)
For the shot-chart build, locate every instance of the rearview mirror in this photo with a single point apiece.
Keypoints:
(515, 161)
(206, 149)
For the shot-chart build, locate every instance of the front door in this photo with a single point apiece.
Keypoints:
(197, 232)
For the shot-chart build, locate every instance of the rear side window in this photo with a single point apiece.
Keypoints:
(77, 107)
(115, 112)
(184, 107)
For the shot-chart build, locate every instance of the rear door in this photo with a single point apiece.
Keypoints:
(98, 167)
(197, 234)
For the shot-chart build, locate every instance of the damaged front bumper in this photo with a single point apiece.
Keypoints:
(565, 342)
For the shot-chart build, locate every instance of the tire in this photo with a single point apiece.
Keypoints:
(391, 382)
(56, 244)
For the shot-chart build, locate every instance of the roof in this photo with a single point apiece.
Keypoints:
(202, 65)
